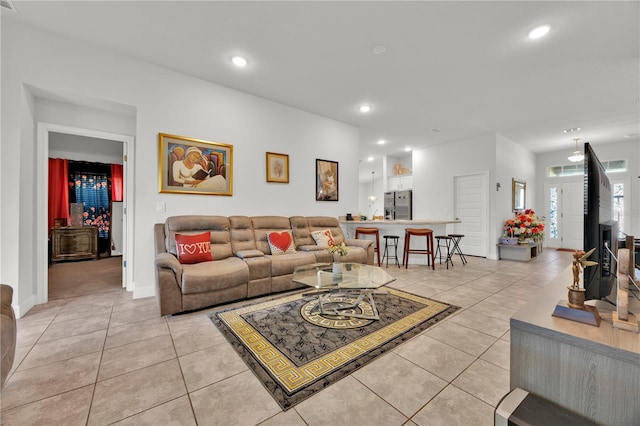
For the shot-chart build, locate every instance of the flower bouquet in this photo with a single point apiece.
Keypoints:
(526, 225)
(340, 249)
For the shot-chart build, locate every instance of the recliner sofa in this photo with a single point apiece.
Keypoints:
(243, 264)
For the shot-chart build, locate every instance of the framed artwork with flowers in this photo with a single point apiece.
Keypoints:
(277, 167)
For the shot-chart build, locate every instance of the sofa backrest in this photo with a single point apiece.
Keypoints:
(317, 223)
(218, 226)
(262, 225)
(242, 237)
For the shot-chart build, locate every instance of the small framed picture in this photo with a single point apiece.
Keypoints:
(193, 166)
(326, 180)
(277, 167)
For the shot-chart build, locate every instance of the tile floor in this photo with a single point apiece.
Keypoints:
(107, 359)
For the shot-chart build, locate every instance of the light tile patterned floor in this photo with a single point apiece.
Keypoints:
(107, 359)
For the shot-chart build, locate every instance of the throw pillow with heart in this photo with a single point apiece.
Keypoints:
(194, 248)
(281, 242)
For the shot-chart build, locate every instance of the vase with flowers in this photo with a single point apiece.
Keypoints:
(341, 250)
(526, 226)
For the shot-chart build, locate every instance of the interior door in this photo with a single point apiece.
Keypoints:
(572, 217)
(470, 207)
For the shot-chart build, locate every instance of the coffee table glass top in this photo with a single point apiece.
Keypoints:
(341, 275)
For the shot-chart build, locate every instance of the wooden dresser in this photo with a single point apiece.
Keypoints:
(69, 243)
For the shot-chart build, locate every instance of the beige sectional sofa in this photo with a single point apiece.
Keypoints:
(243, 265)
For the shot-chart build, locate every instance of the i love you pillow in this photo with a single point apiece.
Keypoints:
(194, 248)
(281, 242)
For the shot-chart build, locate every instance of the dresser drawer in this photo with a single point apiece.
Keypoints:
(69, 243)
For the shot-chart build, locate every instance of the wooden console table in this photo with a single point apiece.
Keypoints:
(524, 252)
(592, 371)
(69, 243)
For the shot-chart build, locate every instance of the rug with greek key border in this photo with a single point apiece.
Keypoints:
(295, 351)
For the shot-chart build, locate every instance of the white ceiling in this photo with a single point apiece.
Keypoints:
(465, 68)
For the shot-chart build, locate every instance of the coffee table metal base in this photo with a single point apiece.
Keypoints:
(324, 302)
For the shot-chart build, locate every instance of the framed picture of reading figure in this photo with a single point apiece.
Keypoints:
(194, 166)
(326, 180)
(277, 167)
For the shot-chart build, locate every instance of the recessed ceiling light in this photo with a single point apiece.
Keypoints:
(408, 149)
(435, 130)
(381, 142)
(369, 158)
(381, 48)
(538, 32)
(239, 61)
(573, 129)
(365, 108)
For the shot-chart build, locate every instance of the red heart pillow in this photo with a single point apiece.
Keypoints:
(194, 248)
(281, 242)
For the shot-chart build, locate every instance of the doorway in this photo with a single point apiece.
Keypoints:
(470, 207)
(44, 131)
(564, 206)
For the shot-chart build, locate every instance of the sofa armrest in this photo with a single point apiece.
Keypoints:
(359, 243)
(167, 260)
(246, 254)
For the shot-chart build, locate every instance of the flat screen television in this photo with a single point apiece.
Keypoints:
(600, 230)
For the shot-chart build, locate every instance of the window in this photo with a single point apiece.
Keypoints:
(618, 204)
(553, 212)
(613, 166)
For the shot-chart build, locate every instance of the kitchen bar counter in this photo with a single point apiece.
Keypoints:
(397, 227)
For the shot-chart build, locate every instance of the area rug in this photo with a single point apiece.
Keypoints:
(295, 351)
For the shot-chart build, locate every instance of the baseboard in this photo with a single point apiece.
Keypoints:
(21, 309)
(140, 292)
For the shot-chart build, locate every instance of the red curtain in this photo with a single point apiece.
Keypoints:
(116, 182)
(58, 189)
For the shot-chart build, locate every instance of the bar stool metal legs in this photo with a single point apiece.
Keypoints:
(394, 255)
(455, 248)
(440, 249)
(429, 251)
(371, 231)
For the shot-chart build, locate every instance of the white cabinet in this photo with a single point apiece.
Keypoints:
(400, 182)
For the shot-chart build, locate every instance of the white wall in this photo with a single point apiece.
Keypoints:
(164, 102)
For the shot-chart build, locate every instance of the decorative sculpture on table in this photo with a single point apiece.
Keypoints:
(574, 309)
(577, 292)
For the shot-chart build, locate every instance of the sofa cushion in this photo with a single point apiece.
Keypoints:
(263, 225)
(193, 224)
(281, 242)
(323, 238)
(194, 248)
(215, 275)
(285, 264)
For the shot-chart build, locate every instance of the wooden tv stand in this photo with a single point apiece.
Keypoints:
(592, 371)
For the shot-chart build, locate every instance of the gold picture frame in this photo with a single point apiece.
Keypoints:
(277, 167)
(194, 166)
(518, 194)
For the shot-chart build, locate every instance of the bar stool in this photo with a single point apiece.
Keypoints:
(419, 232)
(441, 246)
(455, 249)
(394, 240)
(371, 231)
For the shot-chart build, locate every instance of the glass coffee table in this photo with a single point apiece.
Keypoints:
(335, 279)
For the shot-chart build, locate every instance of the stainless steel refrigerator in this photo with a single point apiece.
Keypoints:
(397, 205)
